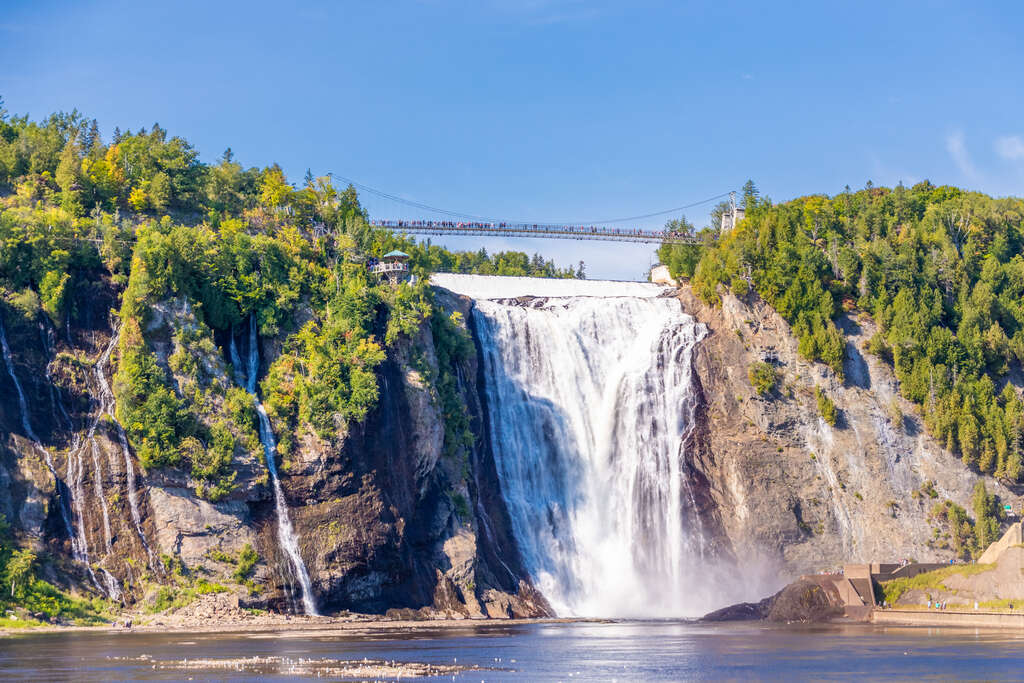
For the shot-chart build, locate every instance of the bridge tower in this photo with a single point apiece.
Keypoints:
(733, 215)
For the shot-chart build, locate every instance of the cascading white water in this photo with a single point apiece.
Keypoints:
(79, 542)
(589, 401)
(285, 532)
(27, 428)
(101, 497)
(107, 407)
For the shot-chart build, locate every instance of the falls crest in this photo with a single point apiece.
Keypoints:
(590, 400)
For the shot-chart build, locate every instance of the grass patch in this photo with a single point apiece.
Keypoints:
(1002, 605)
(174, 597)
(763, 377)
(11, 622)
(247, 559)
(56, 605)
(933, 580)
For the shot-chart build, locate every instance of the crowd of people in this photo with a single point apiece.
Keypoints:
(532, 227)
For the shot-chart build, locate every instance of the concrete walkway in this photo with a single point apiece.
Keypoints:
(925, 617)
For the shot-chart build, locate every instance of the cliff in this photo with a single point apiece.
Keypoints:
(385, 520)
(389, 516)
(794, 494)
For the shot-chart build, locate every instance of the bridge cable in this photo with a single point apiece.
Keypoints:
(458, 214)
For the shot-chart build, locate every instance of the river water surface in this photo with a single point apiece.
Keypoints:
(624, 651)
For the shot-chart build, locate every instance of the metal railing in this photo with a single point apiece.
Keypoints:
(389, 268)
(572, 232)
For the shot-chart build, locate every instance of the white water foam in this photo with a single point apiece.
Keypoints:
(507, 287)
(27, 426)
(590, 398)
(107, 407)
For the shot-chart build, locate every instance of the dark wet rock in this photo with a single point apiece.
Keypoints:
(806, 600)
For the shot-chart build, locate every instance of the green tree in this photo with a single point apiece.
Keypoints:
(987, 516)
(69, 177)
(20, 571)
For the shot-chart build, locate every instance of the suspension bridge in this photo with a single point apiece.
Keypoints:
(458, 223)
(565, 232)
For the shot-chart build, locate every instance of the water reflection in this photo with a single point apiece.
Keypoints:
(655, 650)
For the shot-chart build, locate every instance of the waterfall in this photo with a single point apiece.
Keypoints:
(285, 532)
(107, 408)
(590, 397)
(79, 543)
(30, 433)
(102, 497)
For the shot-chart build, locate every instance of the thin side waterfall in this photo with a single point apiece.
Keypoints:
(79, 543)
(107, 407)
(27, 428)
(285, 532)
(56, 398)
(76, 471)
(102, 497)
(590, 400)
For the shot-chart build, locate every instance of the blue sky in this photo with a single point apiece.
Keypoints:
(549, 109)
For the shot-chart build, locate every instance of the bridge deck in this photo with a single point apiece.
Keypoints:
(570, 232)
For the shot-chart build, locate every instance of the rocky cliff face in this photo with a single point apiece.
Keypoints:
(796, 495)
(384, 520)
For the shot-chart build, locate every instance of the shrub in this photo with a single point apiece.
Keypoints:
(763, 377)
(878, 346)
(247, 559)
(826, 407)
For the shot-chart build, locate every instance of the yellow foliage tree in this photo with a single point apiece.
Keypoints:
(138, 199)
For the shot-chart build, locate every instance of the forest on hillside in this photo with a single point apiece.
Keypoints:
(940, 270)
(139, 217)
(144, 213)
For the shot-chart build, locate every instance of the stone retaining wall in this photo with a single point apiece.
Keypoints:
(948, 618)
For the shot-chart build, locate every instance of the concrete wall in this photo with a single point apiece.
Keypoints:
(947, 618)
(1012, 536)
(857, 571)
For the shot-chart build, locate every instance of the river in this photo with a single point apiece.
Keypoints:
(624, 651)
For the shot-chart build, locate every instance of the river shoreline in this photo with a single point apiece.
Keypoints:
(297, 624)
(964, 618)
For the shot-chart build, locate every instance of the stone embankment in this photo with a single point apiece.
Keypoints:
(962, 618)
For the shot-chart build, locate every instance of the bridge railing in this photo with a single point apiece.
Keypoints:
(389, 268)
(578, 232)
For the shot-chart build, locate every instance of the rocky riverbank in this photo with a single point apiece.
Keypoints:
(211, 616)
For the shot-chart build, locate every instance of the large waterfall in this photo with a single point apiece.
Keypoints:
(590, 397)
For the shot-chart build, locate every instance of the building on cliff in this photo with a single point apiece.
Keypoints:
(393, 266)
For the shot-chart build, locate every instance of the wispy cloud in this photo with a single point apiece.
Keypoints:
(1010, 147)
(956, 145)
